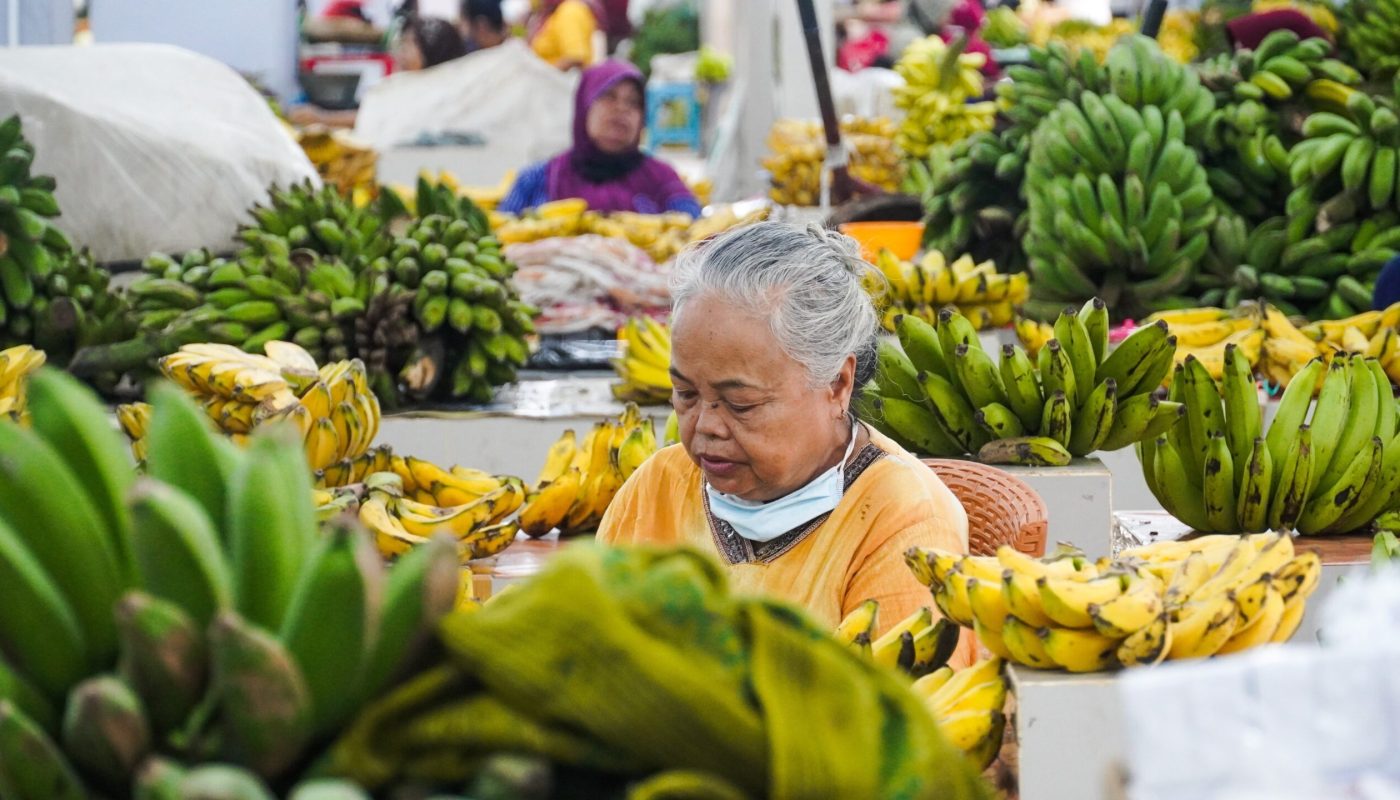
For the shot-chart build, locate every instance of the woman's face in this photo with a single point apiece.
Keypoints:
(749, 417)
(614, 120)
(408, 56)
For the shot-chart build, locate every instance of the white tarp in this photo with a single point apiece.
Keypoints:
(519, 105)
(154, 147)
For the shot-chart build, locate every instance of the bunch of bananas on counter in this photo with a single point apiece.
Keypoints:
(1368, 30)
(1265, 263)
(966, 703)
(341, 160)
(1172, 600)
(481, 526)
(16, 365)
(320, 220)
(580, 479)
(547, 221)
(1374, 334)
(920, 288)
(1119, 204)
(51, 296)
(1204, 333)
(662, 236)
(972, 198)
(1333, 470)
(332, 407)
(195, 615)
(644, 371)
(797, 155)
(943, 395)
(941, 95)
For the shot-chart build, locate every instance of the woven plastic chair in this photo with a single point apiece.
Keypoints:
(1001, 508)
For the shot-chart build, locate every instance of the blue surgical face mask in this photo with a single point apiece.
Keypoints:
(764, 522)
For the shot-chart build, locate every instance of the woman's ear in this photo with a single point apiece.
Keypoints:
(844, 385)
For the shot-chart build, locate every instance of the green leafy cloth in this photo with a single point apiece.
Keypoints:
(640, 663)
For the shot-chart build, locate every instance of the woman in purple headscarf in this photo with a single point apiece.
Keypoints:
(605, 167)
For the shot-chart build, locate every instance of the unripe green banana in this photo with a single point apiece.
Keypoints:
(105, 731)
(1026, 451)
(162, 657)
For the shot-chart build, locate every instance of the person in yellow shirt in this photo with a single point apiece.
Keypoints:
(772, 333)
(562, 32)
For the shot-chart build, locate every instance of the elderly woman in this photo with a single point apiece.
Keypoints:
(771, 334)
(605, 167)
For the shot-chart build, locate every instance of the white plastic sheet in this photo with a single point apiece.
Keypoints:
(521, 106)
(153, 147)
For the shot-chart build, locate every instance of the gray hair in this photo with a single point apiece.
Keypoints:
(806, 282)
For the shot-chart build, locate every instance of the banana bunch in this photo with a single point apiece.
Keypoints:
(1119, 203)
(1004, 28)
(16, 365)
(1374, 334)
(1332, 471)
(1172, 600)
(1178, 35)
(1245, 263)
(481, 527)
(1284, 65)
(1142, 75)
(193, 615)
(986, 298)
(1368, 29)
(972, 198)
(548, 221)
(472, 323)
(1319, 12)
(1083, 36)
(1246, 160)
(942, 395)
(332, 407)
(323, 221)
(966, 703)
(580, 479)
(644, 371)
(660, 235)
(1054, 74)
(1033, 334)
(941, 95)
(1287, 349)
(797, 152)
(1204, 333)
(341, 160)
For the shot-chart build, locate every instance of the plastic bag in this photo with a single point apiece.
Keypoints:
(521, 106)
(153, 147)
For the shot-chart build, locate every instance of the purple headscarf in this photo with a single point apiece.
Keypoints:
(629, 181)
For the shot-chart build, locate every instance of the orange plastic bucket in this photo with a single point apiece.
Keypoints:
(902, 238)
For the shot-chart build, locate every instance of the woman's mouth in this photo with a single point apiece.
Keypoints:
(718, 467)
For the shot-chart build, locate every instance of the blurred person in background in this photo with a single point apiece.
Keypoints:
(605, 167)
(482, 24)
(426, 42)
(562, 32)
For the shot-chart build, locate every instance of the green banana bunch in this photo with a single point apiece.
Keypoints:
(1281, 67)
(972, 203)
(1368, 31)
(1054, 74)
(1245, 157)
(1142, 75)
(193, 614)
(1119, 205)
(939, 393)
(1299, 278)
(51, 296)
(1329, 466)
(321, 220)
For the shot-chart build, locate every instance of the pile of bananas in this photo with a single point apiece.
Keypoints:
(1054, 74)
(1177, 35)
(972, 198)
(644, 371)
(51, 296)
(966, 703)
(1003, 28)
(16, 365)
(580, 479)
(1204, 333)
(481, 526)
(1332, 471)
(940, 96)
(342, 161)
(661, 236)
(1284, 65)
(1292, 274)
(198, 614)
(547, 221)
(1374, 334)
(797, 154)
(335, 413)
(942, 395)
(920, 288)
(1172, 600)
(1119, 204)
(1368, 32)
(1083, 36)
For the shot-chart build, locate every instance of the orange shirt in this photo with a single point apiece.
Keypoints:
(857, 554)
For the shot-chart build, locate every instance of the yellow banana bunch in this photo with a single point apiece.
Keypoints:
(1206, 332)
(941, 84)
(922, 288)
(1195, 598)
(1374, 334)
(482, 527)
(1177, 35)
(1320, 13)
(343, 161)
(556, 218)
(967, 703)
(1033, 334)
(661, 236)
(797, 150)
(16, 364)
(580, 478)
(134, 419)
(332, 405)
(644, 369)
